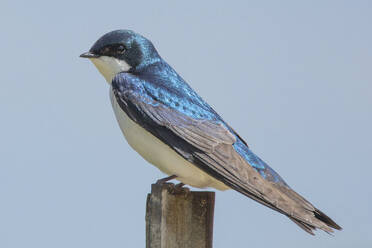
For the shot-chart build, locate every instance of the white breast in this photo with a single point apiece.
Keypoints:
(161, 155)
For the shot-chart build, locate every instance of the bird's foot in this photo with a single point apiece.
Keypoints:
(179, 189)
(173, 189)
(180, 185)
(165, 179)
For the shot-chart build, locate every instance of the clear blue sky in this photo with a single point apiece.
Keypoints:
(293, 78)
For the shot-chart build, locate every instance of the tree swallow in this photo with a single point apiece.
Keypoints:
(173, 128)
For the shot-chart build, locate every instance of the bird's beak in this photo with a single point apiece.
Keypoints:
(89, 55)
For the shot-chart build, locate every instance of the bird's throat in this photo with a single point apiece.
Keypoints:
(110, 66)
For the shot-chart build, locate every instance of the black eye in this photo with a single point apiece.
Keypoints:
(120, 49)
(106, 50)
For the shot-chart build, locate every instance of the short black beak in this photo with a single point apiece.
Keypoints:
(89, 55)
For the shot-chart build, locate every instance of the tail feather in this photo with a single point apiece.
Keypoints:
(307, 217)
(310, 218)
(307, 228)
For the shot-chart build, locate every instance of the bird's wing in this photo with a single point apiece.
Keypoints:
(209, 145)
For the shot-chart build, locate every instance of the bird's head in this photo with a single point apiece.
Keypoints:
(121, 51)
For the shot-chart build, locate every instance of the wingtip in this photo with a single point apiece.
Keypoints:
(327, 220)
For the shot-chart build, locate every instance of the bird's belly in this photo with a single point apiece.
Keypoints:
(161, 155)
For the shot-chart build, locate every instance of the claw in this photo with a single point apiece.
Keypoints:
(180, 185)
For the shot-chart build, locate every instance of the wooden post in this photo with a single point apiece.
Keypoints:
(179, 218)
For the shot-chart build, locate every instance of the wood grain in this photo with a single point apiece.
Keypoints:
(179, 218)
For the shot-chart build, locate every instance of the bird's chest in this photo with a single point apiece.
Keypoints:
(147, 145)
(137, 137)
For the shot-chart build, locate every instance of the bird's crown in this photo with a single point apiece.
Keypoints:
(126, 45)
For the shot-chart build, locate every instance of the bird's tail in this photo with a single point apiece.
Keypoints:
(314, 217)
(320, 216)
(286, 201)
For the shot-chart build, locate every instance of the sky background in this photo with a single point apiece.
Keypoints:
(293, 78)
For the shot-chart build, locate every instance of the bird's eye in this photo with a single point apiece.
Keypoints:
(121, 49)
(106, 50)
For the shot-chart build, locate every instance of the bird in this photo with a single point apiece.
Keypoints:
(172, 127)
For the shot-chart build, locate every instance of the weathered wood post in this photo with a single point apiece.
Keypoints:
(179, 218)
